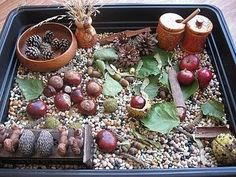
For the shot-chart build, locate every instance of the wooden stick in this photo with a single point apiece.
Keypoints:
(210, 132)
(177, 93)
(128, 33)
(191, 16)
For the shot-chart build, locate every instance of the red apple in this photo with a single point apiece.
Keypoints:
(204, 76)
(189, 62)
(185, 77)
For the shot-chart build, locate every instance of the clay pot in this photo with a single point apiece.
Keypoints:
(61, 32)
(85, 33)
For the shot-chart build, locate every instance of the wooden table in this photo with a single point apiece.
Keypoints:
(228, 7)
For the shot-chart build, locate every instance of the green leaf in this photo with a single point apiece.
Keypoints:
(149, 67)
(164, 79)
(162, 118)
(111, 87)
(101, 65)
(136, 88)
(214, 109)
(31, 88)
(109, 69)
(108, 54)
(152, 88)
(189, 90)
(162, 56)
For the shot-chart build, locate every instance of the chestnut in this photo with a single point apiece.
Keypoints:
(36, 109)
(93, 89)
(62, 101)
(72, 78)
(56, 82)
(106, 140)
(77, 95)
(49, 91)
(87, 107)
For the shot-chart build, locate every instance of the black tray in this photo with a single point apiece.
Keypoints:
(116, 18)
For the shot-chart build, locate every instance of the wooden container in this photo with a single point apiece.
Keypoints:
(196, 34)
(61, 32)
(170, 31)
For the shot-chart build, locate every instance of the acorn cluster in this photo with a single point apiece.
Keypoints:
(45, 47)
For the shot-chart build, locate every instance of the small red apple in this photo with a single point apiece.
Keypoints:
(189, 62)
(185, 77)
(204, 76)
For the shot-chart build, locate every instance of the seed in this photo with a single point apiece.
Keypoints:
(132, 71)
(96, 74)
(124, 82)
(89, 62)
(162, 94)
(116, 76)
(133, 151)
(130, 79)
(138, 145)
(90, 70)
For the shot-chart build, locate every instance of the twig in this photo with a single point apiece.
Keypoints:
(128, 33)
(177, 93)
(133, 158)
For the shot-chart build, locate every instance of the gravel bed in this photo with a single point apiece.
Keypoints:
(177, 149)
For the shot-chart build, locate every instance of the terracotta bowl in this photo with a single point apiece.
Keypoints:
(61, 32)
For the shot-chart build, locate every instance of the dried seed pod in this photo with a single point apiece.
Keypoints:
(27, 143)
(34, 41)
(64, 44)
(45, 143)
(55, 43)
(3, 133)
(110, 105)
(11, 144)
(51, 122)
(132, 70)
(32, 52)
(48, 36)
(124, 82)
(138, 145)
(76, 142)
(63, 142)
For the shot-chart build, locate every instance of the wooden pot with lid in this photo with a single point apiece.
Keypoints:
(169, 31)
(196, 32)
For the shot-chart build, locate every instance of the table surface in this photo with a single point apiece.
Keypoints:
(227, 7)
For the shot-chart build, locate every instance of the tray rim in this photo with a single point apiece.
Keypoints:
(216, 171)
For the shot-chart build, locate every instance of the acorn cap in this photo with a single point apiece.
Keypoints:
(171, 22)
(200, 25)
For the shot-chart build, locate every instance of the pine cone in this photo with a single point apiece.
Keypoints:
(34, 41)
(120, 39)
(146, 43)
(47, 54)
(128, 55)
(56, 43)
(48, 36)
(64, 44)
(32, 52)
(45, 46)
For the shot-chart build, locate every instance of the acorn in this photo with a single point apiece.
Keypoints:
(110, 105)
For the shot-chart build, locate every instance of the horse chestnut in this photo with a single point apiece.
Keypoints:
(49, 91)
(36, 109)
(106, 140)
(72, 78)
(77, 95)
(87, 107)
(62, 101)
(56, 82)
(137, 102)
(93, 89)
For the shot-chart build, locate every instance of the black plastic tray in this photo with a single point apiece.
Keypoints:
(116, 18)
